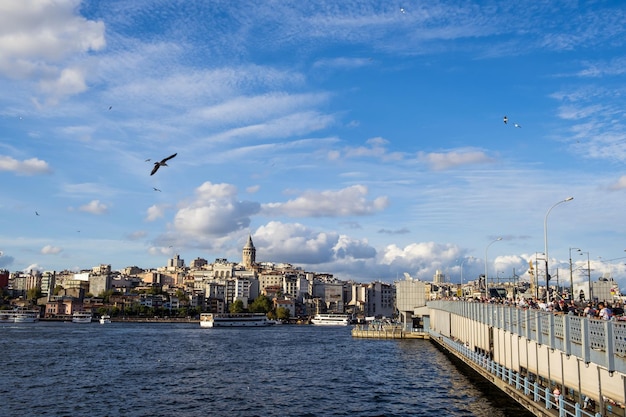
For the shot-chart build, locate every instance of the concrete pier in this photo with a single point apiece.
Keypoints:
(387, 332)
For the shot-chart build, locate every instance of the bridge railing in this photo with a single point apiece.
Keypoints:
(532, 390)
(599, 341)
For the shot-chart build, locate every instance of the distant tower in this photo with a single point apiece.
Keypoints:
(249, 254)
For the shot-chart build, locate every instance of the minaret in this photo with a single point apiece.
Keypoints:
(249, 254)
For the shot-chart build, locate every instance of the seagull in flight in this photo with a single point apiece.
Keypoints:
(36, 214)
(516, 125)
(156, 189)
(506, 120)
(161, 163)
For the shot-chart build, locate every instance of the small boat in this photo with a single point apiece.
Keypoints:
(105, 318)
(81, 317)
(331, 319)
(234, 320)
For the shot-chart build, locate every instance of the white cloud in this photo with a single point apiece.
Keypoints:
(30, 166)
(258, 108)
(215, 211)
(343, 62)
(32, 267)
(349, 201)
(155, 212)
(376, 148)
(37, 36)
(50, 250)
(70, 81)
(94, 207)
(444, 160)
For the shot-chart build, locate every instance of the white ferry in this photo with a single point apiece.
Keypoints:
(19, 315)
(105, 318)
(331, 319)
(26, 316)
(234, 320)
(81, 317)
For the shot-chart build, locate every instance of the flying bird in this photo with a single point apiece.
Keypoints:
(110, 107)
(156, 189)
(516, 125)
(36, 214)
(161, 163)
(506, 120)
(402, 10)
(148, 160)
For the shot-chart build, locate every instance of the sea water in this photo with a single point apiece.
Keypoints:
(174, 369)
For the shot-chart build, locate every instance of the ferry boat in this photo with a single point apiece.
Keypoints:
(81, 317)
(25, 316)
(331, 319)
(19, 315)
(105, 318)
(234, 320)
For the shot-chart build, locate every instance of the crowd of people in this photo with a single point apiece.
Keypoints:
(601, 310)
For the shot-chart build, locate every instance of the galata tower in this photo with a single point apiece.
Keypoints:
(249, 254)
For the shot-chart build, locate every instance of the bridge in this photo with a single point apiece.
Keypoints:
(552, 364)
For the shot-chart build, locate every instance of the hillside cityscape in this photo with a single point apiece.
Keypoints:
(280, 290)
(178, 290)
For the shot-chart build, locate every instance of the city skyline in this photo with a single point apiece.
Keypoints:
(359, 139)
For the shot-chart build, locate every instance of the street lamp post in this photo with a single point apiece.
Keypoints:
(545, 235)
(463, 263)
(571, 277)
(486, 274)
(589, 277)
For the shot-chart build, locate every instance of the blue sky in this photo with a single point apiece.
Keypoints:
(359, 138)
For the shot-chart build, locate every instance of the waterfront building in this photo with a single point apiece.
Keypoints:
(175, 263)
(198, 263)
(48, 282)
(98, 284)
(411, 297)
(330, 295)
(439, 277)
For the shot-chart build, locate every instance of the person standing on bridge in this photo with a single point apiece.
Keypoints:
(557, 395)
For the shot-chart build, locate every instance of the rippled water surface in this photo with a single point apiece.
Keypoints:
(162, 369)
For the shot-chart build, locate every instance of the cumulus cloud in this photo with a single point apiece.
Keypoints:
(350, 201)
(30, 166)
(70, 81)
(37, 37)
(347, 247)
(155, 212)
(50, 250)
(298, 244)
(94, 207)
(419, 257)
(439, 161)
(215, 211)
(32, 268)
